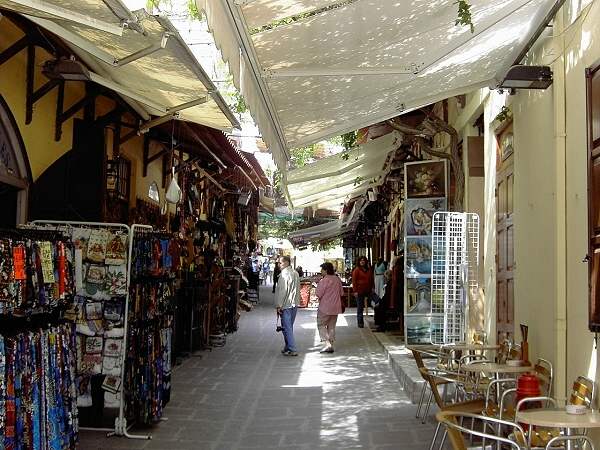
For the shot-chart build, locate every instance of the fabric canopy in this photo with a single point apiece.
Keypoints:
(336, 66)
(330, 230)
(148, 62)
(332, 179)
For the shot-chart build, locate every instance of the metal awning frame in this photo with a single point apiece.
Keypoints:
(72, 16)
(248, 54)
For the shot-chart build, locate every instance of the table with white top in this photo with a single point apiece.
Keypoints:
(559, 418)
(470, 347)
(495, 368)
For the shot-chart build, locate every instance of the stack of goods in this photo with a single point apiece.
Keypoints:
(148, 368)
(37, 351)
(100, 260)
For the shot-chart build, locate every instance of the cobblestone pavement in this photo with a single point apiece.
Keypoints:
(248, 395)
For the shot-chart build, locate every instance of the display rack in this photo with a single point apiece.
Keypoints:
(120, 426)
(425, 193)
(454, 273)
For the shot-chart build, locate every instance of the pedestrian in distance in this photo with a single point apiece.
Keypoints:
(276, 272)
(362, 286)
(330, 292)
(379, 270)
(287, 298)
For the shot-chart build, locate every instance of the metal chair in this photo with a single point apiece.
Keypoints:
(545, 374)
(456, 431)
(434, 378)
(583, 392)
(577, 438)
(480, 337)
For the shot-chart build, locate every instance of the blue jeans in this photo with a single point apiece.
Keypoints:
(360, 306)
(288, 316)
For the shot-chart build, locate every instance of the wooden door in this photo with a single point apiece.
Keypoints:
(593, 118)
(505, 255)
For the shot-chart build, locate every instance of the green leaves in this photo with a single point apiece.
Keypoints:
(193, 10)
(358, 180)
(464, 14)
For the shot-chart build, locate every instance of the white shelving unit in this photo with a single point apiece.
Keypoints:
(454, 274)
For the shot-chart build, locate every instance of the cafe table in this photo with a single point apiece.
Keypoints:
(470, 347)
(496, 369)
(559, 418)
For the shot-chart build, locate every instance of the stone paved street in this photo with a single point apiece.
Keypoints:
(248, 395)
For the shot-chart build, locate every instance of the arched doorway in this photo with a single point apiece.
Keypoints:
(15, 173)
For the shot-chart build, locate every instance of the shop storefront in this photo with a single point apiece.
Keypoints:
(119, 228)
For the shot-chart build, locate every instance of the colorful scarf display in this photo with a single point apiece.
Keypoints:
(38, 400)
(149, 342)
(36, 276)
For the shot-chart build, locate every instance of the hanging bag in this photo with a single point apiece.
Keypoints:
(173, 194)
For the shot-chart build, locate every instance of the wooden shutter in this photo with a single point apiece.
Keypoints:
(593, 122)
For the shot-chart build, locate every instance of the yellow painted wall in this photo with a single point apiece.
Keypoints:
(38, 136)
(582, 50)
(535, 219)
(551, 281)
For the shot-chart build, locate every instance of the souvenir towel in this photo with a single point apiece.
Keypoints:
(116, 280)
(116, 249)
(46, 257)
(81, 238)
(96, 250)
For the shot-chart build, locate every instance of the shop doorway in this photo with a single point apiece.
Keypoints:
(505, 255)
(15, 175)
(9, 199)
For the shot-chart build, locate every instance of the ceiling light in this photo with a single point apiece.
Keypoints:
(65, 69)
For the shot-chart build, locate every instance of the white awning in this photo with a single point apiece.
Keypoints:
(360, 62)
(106, 15)
(149, 63)
(334, 178)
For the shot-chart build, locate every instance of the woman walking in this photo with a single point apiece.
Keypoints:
(329, 292)
(362, 286)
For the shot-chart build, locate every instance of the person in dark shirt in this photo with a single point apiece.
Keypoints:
(276, 273)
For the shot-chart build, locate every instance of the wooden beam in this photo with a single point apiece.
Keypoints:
(60, 104)
(146, 155)
(29, 79)
(117, 138)
(14, 49)
(128, 136)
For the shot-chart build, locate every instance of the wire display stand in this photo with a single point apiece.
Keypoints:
(120, 427)
(454, 274)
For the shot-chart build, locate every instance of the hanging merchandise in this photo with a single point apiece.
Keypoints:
(37, 351)
(173, 194)
(100, 267)
(35, 271)
(150, 318)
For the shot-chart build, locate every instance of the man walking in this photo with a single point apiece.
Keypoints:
(287, 298)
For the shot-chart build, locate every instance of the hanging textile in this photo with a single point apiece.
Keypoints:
(148, 367)
(37, 349)
(99, 314)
